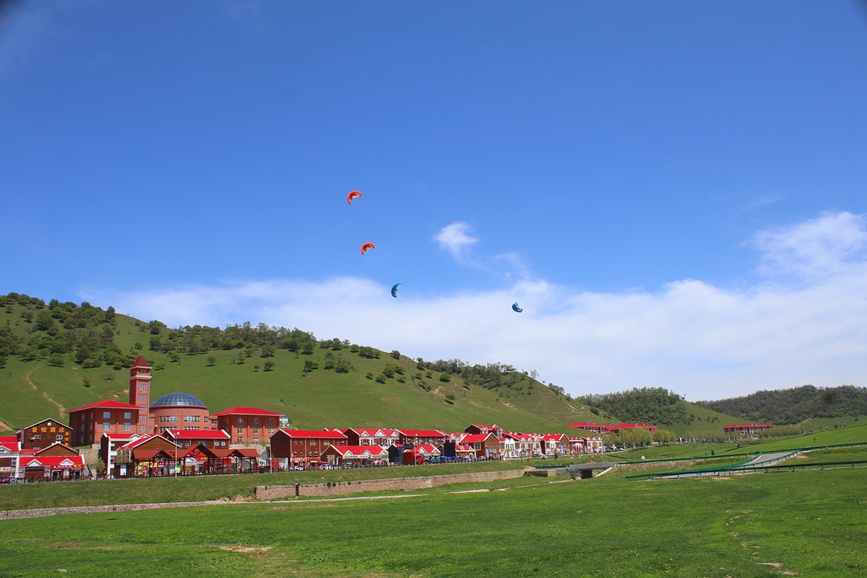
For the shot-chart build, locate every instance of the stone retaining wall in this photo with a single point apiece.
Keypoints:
(359, 486)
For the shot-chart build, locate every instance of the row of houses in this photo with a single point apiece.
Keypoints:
(194, 452)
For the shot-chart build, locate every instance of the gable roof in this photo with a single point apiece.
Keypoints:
(10, 444)
(105, 404)
(49, 420)
(360, 451)
(140, 362)
(477, 438)
(52, 461)
(247, 411)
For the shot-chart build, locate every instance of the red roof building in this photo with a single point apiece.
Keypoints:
(353, 455)
(421, 436)
(600, 428)
(382, 437)
(89, 422)
(250, 424)
(10, 456)
(140, 394)
(747, 429)
(302, 446)
(214, 439)
(485, 445)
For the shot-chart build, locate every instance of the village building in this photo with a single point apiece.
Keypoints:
(140, 394)
(484, 445)
(89, 422)
(10, 457)
(180, 410)
(414, 437)
(293, 447)
(371, 437)
(555, 444)
(586, 445)
(43, 434)
(747, 429)
(250, 425)
(214, 439)
(354, 455)
(484, 429)
(56, 462)
(600, 428)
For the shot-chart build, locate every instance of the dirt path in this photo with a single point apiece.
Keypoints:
(60, 409)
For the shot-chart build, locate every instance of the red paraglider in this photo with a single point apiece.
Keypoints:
(367, 246)
(352, 195)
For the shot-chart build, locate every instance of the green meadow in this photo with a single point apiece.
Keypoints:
(805, 523)
(792, 524)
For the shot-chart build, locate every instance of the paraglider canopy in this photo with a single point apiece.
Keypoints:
(352, 195)
(515, 307)
(394, 289)
(367, 246)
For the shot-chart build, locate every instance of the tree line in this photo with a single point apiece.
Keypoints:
(791, 406)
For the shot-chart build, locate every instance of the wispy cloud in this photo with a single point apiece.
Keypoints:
(456, 239)
(702, 341)
(818, 247)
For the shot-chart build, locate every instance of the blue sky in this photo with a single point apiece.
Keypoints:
(673, 191)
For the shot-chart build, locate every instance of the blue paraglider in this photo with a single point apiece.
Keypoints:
(394, 289)
(515, 307)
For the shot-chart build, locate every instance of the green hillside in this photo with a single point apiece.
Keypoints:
(83, 353)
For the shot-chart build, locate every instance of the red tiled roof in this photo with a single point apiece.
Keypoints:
(10, 443)
(105, 404)
(247, 411)
(52, 461)
(475, 438)
(426, 449)
(360, 451)
(199, 434)
(313, 433)
(141, 362)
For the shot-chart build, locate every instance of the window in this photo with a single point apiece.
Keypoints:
(255, 420)
(240, 420)
(105, 426)
(106, 415)
(255, 430)
(270, 421)
(142, 386)
(255, 440)
(142, 398)
(127, 427)
(36, 437)
(239, 430)
(240, 440)
(127, 415)
(191, 418)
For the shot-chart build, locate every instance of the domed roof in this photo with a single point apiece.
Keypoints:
(179, 399)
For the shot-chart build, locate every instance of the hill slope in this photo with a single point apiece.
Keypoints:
(58, 356)
(795, 405)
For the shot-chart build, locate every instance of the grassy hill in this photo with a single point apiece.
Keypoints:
(375, 389)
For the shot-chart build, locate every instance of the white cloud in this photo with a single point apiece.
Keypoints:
(701, 341)
(817, 247)
(455, 239)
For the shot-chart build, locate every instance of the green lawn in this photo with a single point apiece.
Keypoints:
(801, 524)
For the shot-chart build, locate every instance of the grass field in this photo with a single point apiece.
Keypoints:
(803, 524)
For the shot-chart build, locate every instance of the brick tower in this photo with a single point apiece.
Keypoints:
(140, 392)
